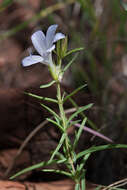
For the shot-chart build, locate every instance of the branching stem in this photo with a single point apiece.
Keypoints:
(64, 123)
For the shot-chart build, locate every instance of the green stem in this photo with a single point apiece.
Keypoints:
(67, 145)
(64, 123)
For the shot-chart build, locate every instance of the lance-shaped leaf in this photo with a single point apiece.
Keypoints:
(74, 92)
(55, 123)
(58, 146)
(50, 111)
(48, 85)
(61, 156)
(39, 165)
(99, 148)
(57, 171)
(73, 123)
(42, 98)
(81, 109)
(83, 161)
(74, 50)
(79, 133)
(82, 114)
(70, 63)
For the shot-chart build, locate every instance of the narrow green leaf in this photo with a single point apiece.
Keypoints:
(57, 171)
(74, 92)
(61, 156)
(58, 146)
(70, 63)
(99, 148)
(73, 156)
(42, 98)
(51, 111)
(61, 161)
(36, 166)
(74, 50)
(79, 111)
(83, 161)
(48, 85)
(73, 123)
(57, 120)
(39, 165)
(79, 133)
(82, 114)
(55, 123)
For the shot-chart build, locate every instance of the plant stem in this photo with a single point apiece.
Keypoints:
(64, 123)
(68, 149)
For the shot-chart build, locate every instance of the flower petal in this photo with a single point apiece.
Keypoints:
(50, 49)
(50, 35)
(32, 59)
(58, 36)
(39, 42)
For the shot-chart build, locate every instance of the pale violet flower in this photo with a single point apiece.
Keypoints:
(44, 45)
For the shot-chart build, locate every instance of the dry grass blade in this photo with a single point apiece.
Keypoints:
(116, 184)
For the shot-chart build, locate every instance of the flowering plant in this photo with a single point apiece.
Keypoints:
(65, 152)
(44, 45)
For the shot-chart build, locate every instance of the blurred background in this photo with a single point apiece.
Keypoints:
(100, 26)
